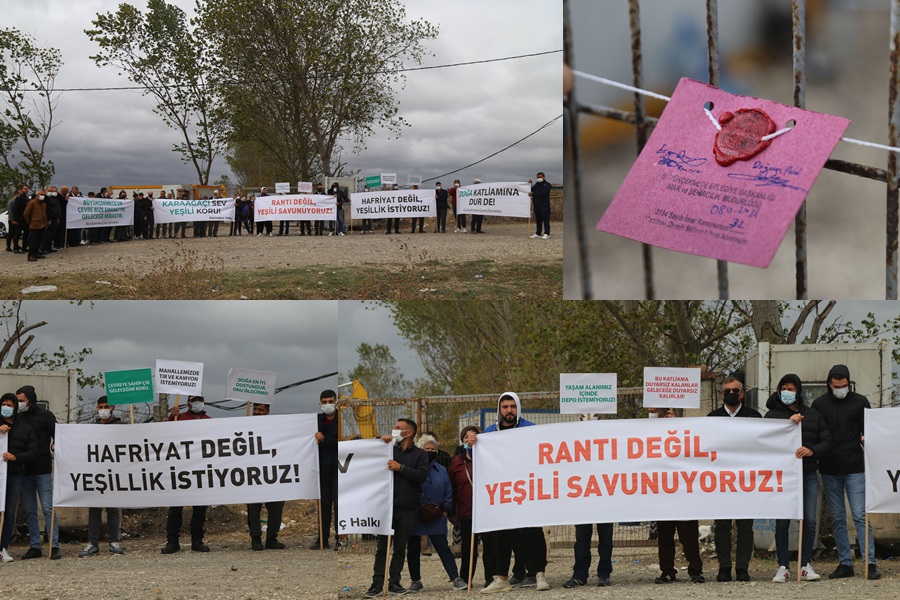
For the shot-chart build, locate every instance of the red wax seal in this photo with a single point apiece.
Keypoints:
(740, 136)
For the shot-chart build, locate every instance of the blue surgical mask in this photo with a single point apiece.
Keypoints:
(6, 412)
(788, 397)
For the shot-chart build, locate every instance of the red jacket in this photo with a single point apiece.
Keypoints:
(460, 480)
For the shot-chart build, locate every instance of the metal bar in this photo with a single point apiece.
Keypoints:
(798, 10)
(894, 128)
(712, 42)
(571, 107)
(598, 110)
(857, 169)
(634, 18)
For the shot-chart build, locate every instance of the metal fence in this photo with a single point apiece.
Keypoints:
(644, 123)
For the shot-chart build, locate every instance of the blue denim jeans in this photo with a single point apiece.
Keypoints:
(441, 546)
(583, 534)
(13, 488)
(855, 486)
(782, 526)
(34, 486)
(340, 219)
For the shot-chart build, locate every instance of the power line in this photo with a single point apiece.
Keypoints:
(263, 81)
(544, 126)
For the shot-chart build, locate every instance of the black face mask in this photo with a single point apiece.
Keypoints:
(431, 456)
(732, 397)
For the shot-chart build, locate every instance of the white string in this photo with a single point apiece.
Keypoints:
(766, 138)
(713, 119)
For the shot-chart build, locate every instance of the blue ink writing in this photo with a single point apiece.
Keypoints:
(679, 160)
(767, 175)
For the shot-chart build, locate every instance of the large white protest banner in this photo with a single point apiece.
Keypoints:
(300, 207)
(365, 487)
(3, 471)
(388, 205)
(178, 377)
(180, 211)
(246, 385)
(189, 463)
(498, 199)
(593, 393)
(669, 387)
(637, 470)
(882, 450)
(84, 213)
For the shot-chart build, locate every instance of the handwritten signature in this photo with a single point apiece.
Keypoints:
(679, 160)
(766, 175)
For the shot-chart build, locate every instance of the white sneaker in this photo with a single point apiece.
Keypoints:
(498, 585)
(83, 243)
(542, 583)
(270, 235)
(534, 236)
(546, 236)
(4, 556)
(782, 575)
(456, 230)
(342, 233)
(258, 234)
(808, 574)
(464, 230)
(330, 233)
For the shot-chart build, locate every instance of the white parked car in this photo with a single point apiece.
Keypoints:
(4, 223)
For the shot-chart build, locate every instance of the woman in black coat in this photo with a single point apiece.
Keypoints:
(21, 448)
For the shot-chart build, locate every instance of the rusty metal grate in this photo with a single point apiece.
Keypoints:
(643, 123)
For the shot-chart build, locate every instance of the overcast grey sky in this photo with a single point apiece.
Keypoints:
(458, 115)
(296, 340)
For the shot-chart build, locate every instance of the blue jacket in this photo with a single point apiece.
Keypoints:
(435, 490)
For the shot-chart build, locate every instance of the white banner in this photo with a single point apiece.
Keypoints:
(84, 213)
(283, 187)
(178, 377)
(180, 211)
(365, 487)
(304, 187)
(394, 204)
(587, 393)
(4, 441)
(637, 470)
(188, 463)
(498, 199)
(882, 449)
(299, 207)
(388, 178)
(246, 385)
(666, 387)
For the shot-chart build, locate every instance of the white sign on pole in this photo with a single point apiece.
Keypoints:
(300, 207)
(187, 463)
(587, 393)
(388, 178)
(3, 474)
(637, 470)
(304, 187)
(181, 211)
(365, 487)
(178, 377)
(882, 451)
(413, 180)
(84, 213)
(499, 199)
(246, 385)
(391, 204)
(283, 187)
(667, 387)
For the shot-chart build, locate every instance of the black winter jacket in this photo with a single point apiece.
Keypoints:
(43, 423)
(813, 430)
(21, 443)
(409, 479)
(844, 419)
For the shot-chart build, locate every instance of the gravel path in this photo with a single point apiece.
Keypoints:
(501, 243)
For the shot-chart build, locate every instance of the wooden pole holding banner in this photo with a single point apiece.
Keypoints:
(249, 404)
(177, 408)
(50, 532)
(866, 553)
(319, 510)
(387, 562)
(471, 564)
(131, 411)
(799, 550)
(3, 516)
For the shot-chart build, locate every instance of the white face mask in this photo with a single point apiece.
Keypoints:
(104, 413)
(23, 406)
(51, 194)
(329, 409)
(197, 407)
(653, 415)
(41, 197)
(455, 185)
(540, 179)
(397, 435)
(840, 393)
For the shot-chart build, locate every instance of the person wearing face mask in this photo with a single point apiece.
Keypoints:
(787, 403)
(21, 449)
(843, 467)
(460, 472)
(327, 439)
(460, 219)
(441, 203)
(95, 514)
(733, 397)
(274, 510)
(54, 212)
(431, 520)
(35, 215)
(174, 519)
(540, 198)
(410, 468)
(341, 199)
(477, 220)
